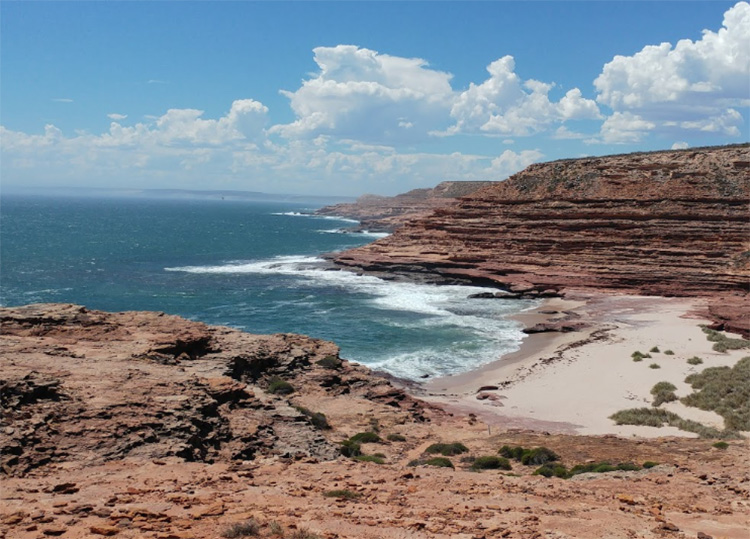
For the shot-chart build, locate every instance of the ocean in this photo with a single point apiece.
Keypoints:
(247, 265)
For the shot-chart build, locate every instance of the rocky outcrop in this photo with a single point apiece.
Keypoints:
(385, 214)
(147, 425)
(662, 223)
(102, 386)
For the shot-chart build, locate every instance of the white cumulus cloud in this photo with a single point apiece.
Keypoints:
(505, 104)
(117, 117)
(360, 93)
(695, 85)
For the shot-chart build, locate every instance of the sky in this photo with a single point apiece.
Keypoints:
(346, 98)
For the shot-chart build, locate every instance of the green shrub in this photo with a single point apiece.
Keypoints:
(721, 445)
(663, 392)
(277, 386)
(654, 350)
(512, 452)
(440, 462)
(348, 448)
(603, 467)
(248, 528)
(316, 419)
(649, 464)
(722, 343)
(330, 362)
(724, 390)
(552, 470)
(668, 353)
(657, 417)
(662, 386)
(695, 360)
(558, 470)
(537, 456)
(365, 438)
(370, 458)
(447, 450)
(396, 438)
(654, 366)
(344, 494)
(638, 356)
(491, 462)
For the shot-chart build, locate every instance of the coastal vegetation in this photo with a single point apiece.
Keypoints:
(529, 457)
(724, 390)
(249, 528)
(330, 362)
(657, 417)
(490, 462)
(352, 447)
(377, 458)
(558, 470)
(316, 419)
(722, 343)
(663, 392)
(447, 449)
(695, 360)
(368, 437)
(440, 462)
(278, 386)
(252, 528)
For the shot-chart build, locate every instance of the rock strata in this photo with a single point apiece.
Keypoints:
(672, 223)
(385, 214)
(116, 385)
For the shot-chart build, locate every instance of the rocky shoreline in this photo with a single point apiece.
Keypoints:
(148, 425)
(672, 223)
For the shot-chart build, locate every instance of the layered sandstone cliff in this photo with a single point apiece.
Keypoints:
(661, 223)
(385, 214)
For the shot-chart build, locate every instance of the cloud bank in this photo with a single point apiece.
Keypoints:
(366, 121)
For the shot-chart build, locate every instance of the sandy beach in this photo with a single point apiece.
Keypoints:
(571, 382)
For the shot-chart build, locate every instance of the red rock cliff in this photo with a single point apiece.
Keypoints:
(663, 223)
(379, 213)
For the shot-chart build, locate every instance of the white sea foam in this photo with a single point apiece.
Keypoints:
(355, 233)
(444, 308)
(313, 216)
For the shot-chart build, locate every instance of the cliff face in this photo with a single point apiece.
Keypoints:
(385, 214)
(662, 223)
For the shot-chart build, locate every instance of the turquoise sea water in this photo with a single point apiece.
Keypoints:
(252, 266)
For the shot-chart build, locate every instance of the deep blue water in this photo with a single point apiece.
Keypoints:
(252, 266)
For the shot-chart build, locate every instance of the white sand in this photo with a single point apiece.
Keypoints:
(583, 385)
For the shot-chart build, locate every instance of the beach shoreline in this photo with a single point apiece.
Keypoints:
(571, 381)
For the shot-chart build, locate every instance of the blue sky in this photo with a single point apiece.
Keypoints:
(355, 97)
